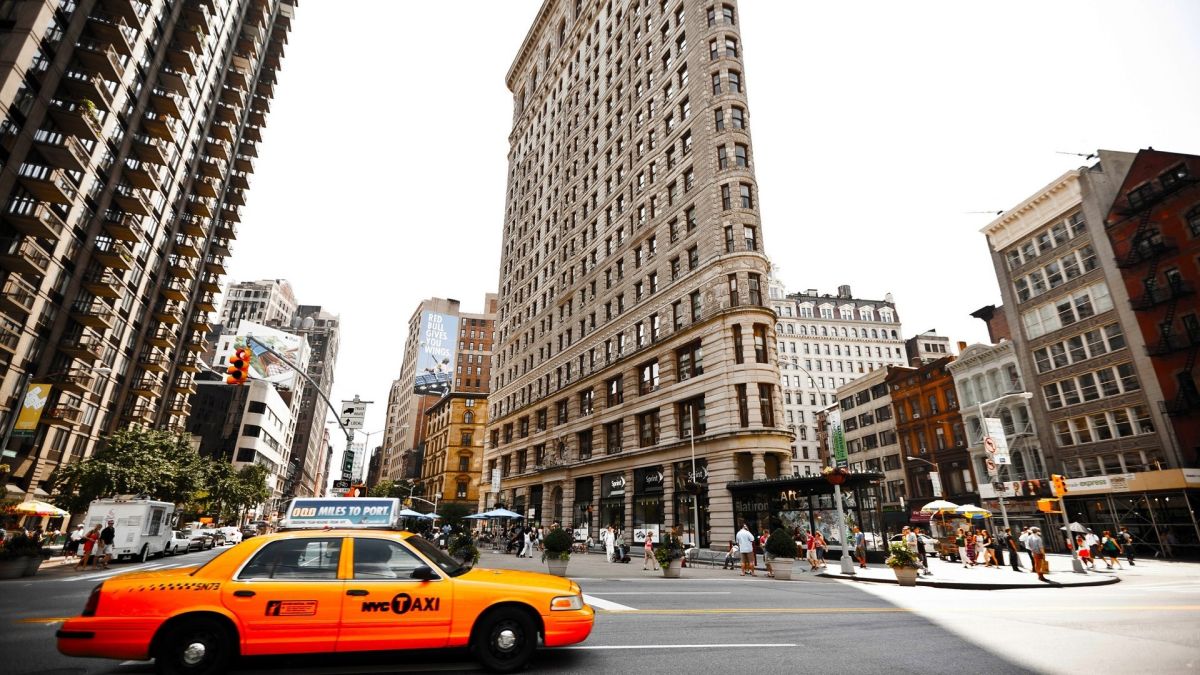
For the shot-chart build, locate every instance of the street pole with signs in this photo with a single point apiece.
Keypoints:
(996, 447)
(838, 436)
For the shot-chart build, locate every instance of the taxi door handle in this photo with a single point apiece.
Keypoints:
(356, 591)
(243, 594)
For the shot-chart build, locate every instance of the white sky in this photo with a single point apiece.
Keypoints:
(877, 128)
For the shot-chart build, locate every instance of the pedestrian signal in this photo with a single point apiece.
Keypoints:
(1046, 505)
(1059, 483)
(239, 367)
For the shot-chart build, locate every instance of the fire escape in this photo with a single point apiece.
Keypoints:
(1148, 248)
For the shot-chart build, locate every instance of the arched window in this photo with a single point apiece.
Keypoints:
(874, 334)
(894, 335)
(824, 331)
(468, 417)
(804, 330)
(791, 329)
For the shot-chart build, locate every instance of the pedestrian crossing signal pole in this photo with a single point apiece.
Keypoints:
(1058, 484)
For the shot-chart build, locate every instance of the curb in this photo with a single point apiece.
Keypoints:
(962, 585)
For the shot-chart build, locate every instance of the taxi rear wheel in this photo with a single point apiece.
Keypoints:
(504, 640)
(197, 646)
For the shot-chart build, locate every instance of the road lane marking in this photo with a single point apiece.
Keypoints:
(664, 593)
(708, 646)
(606, 605)
(897, 610)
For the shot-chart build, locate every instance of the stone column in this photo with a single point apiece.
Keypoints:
(668, 494)
(759, 464)
(785, 463)
(720, 502)
(568, 513)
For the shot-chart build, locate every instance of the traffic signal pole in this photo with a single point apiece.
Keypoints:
(1059, 483)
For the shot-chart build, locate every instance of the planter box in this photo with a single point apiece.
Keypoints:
(782, 568)
(672, 570)
(906, 576)
(557, 567)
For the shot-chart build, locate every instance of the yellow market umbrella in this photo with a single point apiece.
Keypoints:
(939, 506)
(972, 511)
(36, 508)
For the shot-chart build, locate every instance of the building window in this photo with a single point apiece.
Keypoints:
(1193, 221)
(696, 306)
(464, 463)
(648, 377)
(612, 437)
(738, 356)
(766, 408)
(743, 404)
(716, 84)
(719, 119)
(466, 438)
(690, 414)
(740, 154)
(751, 236)
(584, 439)
(760, 343)
(731, 47)
(733, 290)
(561, 412)
(648, 428)
(735, 81)
(615, 394)
(726, 192)
(723, 163)
(677, 314)
(755, 288)
(744, 193)
(689, 361)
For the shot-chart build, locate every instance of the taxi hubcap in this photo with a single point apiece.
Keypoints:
(506, 639)
(194, 653)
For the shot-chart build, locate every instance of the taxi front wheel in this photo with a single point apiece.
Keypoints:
(199, 646)
(504, 640)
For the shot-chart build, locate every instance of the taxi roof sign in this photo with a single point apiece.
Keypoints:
(314, 513)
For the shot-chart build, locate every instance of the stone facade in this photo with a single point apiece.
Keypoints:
(453, 461)
(632, 293)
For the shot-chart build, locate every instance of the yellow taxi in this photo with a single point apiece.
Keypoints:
(326, 590)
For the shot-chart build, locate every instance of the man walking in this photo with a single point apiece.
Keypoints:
(107, 537)
(1025, 543)
(1009, 544)
(745, 541)
(610, 540)
(1037, 550)
(860, 547)
(1126, 540)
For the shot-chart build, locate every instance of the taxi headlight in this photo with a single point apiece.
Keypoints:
(566, 602)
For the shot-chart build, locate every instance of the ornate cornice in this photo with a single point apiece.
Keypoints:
(1052, 201)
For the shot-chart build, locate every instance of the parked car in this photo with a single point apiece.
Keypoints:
(200, 539)
(232, 535)
(218, 536)
(931, 544)
(179, 543)
(248, 532)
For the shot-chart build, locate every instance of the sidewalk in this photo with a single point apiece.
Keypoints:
(953, 575)
(594, 566)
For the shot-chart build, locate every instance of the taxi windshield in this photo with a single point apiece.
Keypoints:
(438, 556)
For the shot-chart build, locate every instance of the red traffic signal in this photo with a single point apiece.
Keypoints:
(239, 367)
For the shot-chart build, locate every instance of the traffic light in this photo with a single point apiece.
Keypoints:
(347, 461)
(1059, 483)
(1046, 505)
(239, 367)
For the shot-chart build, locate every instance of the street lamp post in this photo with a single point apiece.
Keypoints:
(983, 434)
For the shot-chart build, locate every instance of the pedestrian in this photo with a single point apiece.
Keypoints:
(622, 549)
(1023, 539)
(745, 542)
(922, 553)
(980, 548)
(810, 551)
(732, 556)
(648, 562)
(1093, 543)
(989, 548)
(1085, 554)
(960, 543)
(969, 545)
(72, 547)
(1126, 541)
(761, 547)
(107, 537)
(860, 547)
(1110, 549)
(527, 543)
(1038, 550)
(89, 544)
(610, 542)
(1014, 550)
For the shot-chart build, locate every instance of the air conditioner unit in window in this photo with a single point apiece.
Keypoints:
(916, 416)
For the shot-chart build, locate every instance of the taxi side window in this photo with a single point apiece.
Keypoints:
(295, 559)
(383, 559)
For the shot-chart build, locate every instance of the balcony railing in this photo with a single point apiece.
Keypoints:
(82, 346)
(48, 185)
(16, 297)
(65, 153)
(131, 200)
(1157, 296)
(1146, 251)
(23, 256)
(88, 87)
(123, 226)
(79, 122)
(111, 29)
(93, 314)
(35, 219)
(99, 58)
(61, 415)
(187, 247)
(113, 253)
(10, 335)
(105, 284)
(175, 289)
(1173, 343)
(163, 336)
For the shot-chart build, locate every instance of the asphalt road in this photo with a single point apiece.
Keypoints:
(646, 624)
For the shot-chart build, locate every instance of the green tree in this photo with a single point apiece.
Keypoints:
(158, 463)
(399, 489)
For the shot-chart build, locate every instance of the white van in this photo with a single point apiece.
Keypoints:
(143, 526)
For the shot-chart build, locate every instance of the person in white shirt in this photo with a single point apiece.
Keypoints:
(610, 542)
(745, 541)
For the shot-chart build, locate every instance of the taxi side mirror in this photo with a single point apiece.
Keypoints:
(424, 573)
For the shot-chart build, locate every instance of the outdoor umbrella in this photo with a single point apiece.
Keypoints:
(430, 516)
(972, 511)
(939, 506)
(476, 516)
(1076, 527)
(503, 513)
(409, 513)
(36, 508)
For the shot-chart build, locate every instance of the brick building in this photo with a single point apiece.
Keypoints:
(453, 461)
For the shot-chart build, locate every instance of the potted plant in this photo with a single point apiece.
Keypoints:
(462, 547)
(904, 563)
(556, 551)
(20, 557)
(669, 554)
(782, 549)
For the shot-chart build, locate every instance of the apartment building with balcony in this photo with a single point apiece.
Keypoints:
(826, 341)
(633, 318)
(1154, 228)
(128, 131)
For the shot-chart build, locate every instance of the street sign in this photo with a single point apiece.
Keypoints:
(495, 480)
(352, 413)
(994, 443)
(346, 475)
(341, 484)
(936, 480)
(991, 466)
(838, 436)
